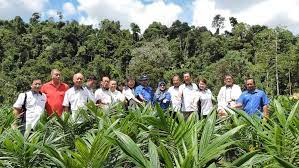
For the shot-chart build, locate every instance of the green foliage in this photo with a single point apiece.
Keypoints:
(31, 50)
(148, 137)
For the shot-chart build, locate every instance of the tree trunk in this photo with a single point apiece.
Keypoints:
(276, 67)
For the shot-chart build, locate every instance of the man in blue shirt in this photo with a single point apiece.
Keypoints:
(144, 92)
(253, 100)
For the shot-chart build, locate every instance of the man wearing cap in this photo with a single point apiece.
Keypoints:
(144, 92)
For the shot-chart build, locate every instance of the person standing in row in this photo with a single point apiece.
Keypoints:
(253, 101)
(228, 95)
(76, 97)
(162, 96)
(174, 93)
(188, 92)
(205, 105)
(30, 106)
(102, 95)
(144, 92)
(55, 91)
(115, 95)
(129, 92)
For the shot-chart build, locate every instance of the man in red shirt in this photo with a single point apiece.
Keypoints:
(54, 90)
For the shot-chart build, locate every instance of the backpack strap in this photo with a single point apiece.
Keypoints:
(23, 115)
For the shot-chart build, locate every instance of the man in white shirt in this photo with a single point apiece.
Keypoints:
(129, 92)
(102, 95)
(228, 95)
(188, 92)
(116, 96)
(76, 97)
(30, 106)
(176, 101)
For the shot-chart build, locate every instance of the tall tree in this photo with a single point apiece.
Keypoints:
(218, 23)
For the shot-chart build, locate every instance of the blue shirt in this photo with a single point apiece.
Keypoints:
(146, 92)
(163, 99)
(253, 101)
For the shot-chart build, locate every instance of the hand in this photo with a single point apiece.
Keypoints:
(222, 113)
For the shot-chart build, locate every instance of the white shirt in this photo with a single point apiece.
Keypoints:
(35, 106)
(77, 98)
(228, 95)
(129, 93)
(205, 97)
(189, 97)
(103, 96)
(116, 97)
(176, 100)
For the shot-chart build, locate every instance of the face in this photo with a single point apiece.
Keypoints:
(144, 82)
(250, 85)
(78, 80)
(91, 83)
(56, 75)
(187, 78)
(112, 85)
(131, 83)
(176, 81)
(105, 82)
(36, 85)
(162, 86)
(228, 81)
(202, 85)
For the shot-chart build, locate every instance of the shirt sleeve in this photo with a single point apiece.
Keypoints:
(20, 101)
(265, 99)
(221, 99)
(128, 94)
(138, 90)
(237, 92)
(66, 100)
(241, 99)
(97, 95)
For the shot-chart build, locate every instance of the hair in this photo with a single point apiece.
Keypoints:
(105, 76)
(202, 80)
(130, 78)
(187, 73)
(228, 75)
(92, 77)
(250, 79)
(77, 75)
(53, 70)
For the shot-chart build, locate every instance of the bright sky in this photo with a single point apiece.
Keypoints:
(143, 12)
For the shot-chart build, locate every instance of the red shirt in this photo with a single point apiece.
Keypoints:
(55, 97)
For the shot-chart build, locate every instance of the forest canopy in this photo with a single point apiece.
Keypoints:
(31, 49)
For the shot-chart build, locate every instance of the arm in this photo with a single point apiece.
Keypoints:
(265, 111)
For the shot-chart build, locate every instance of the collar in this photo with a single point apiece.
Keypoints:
(253, 91)
(190, 84)
(80, 88)
(36, 93)
(229, 86)
(52, 83)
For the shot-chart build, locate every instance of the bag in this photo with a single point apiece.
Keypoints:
(23, 116)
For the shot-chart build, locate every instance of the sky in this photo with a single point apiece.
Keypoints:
(271, 13)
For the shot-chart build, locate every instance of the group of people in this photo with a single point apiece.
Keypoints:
(185, 97)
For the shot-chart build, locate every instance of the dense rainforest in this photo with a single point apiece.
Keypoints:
(30, 49)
